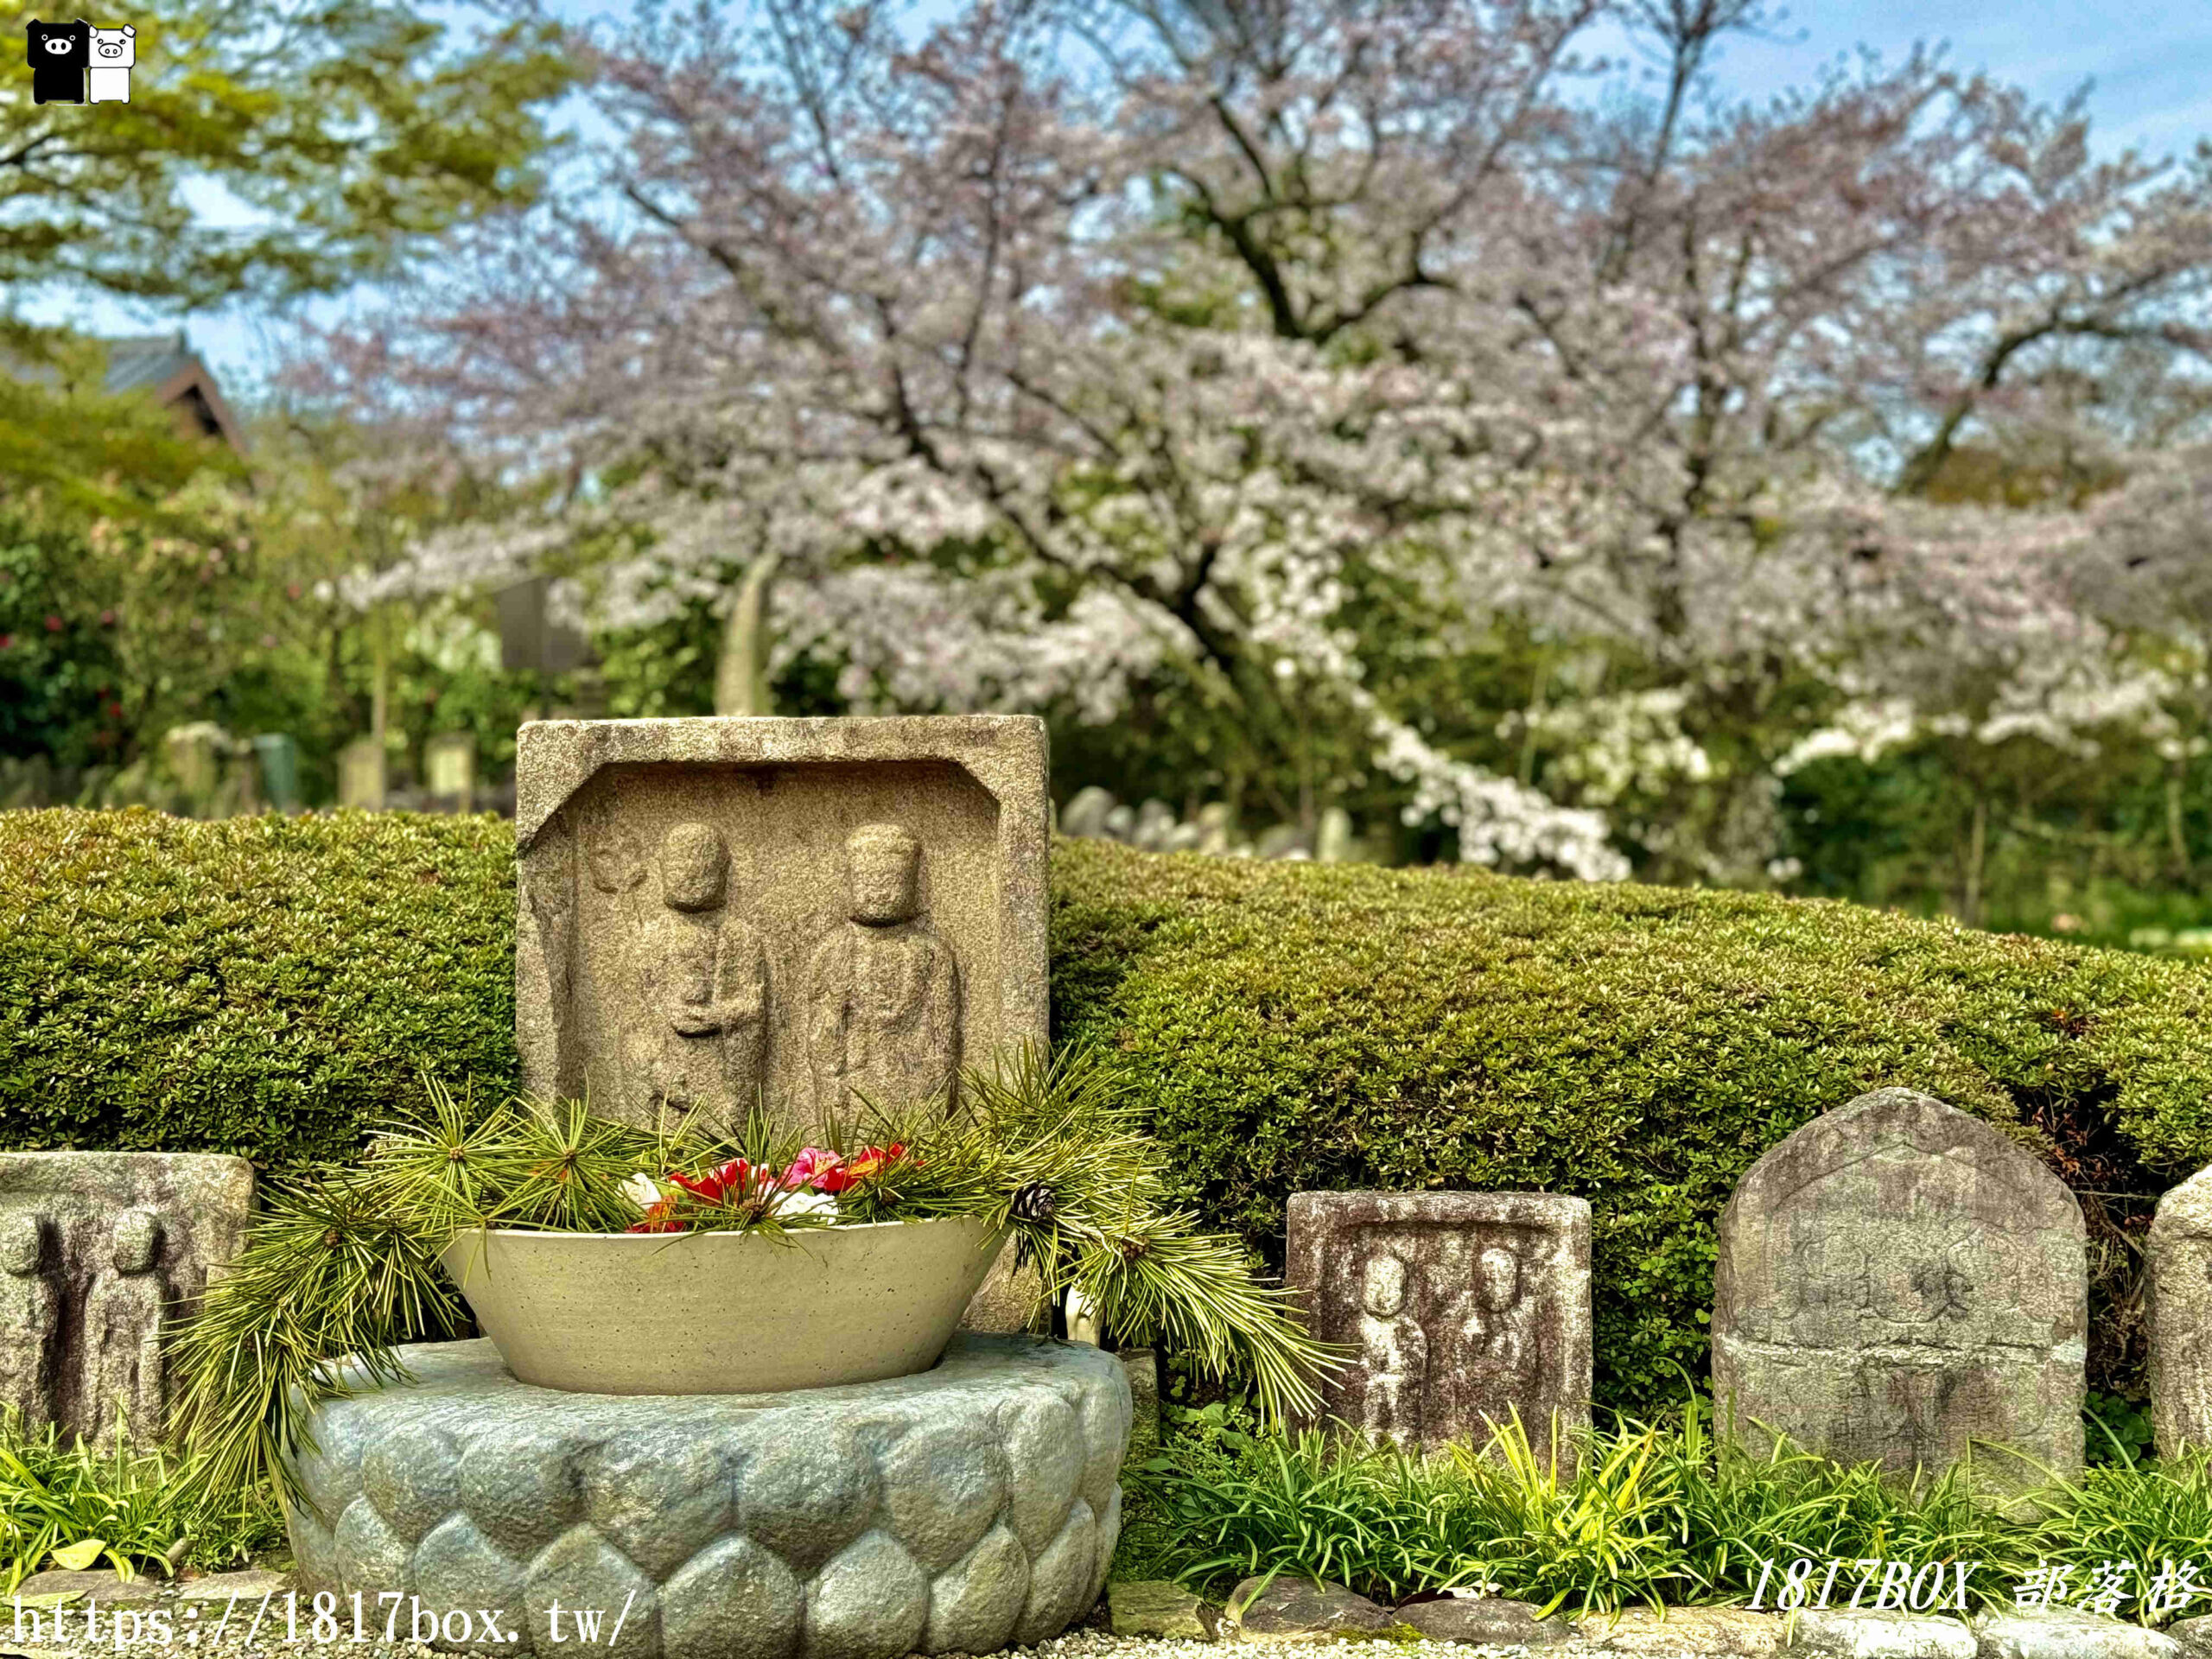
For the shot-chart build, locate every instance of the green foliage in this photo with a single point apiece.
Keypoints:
(346, 126)
(271, 986)
(2116, 1429)
(137, 1511)
(1299, 1027)
(2143, 1514)
(1653, 1515)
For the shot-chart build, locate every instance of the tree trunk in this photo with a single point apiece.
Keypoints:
(1977, 852)
(742, 668)
(380, 673)
(2177, 829)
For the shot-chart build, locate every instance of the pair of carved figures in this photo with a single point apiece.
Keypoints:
(1486, 1338)
(879, 1012)
(118, 1360)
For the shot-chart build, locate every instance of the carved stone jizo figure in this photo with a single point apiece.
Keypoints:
(1395, 1349)
(1461, 1311)
(1502, 1328)
(123, 1323)
(883, 990)
(1897, 1281)
(100, 1253)
(2179, 1253)
(30, 1319)
(702, 975)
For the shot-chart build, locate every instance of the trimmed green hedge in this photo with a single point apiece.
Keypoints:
(1298, 1027)
(266, 986)
(273, 986)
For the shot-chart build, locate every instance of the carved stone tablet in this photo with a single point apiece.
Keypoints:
(804, 914)
(1460, 1309)
(1898, 1280)
(100, 1253)
(2179, 1251)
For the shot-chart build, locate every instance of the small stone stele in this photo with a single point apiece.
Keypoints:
(102, 1588)
(1157, 1609)
(100, 1253)
(1462, 1310)
(1673, 1632)
(1485, 1621)
(1142, 1365)
(1897, 1282)
(1289, 1609)
(1872, 1633)
(250, 1585)
(810, 916)
(2066, 1633)
(2178, 1255)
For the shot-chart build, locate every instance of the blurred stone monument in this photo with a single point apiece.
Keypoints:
(2179, 1253)
(1461, 1311)
(449, 771)
(530, 639)
(195, 755)
(1896, 1280)
(361, 774)
(278, 757)
(100, 1254)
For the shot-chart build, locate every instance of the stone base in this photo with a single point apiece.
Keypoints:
(965, 1510)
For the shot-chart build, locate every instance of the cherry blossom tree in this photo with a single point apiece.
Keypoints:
(1078, 344)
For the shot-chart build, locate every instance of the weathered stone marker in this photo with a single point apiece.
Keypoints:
(812, 911)
(99, 1251)
(2179, 1252)
(1897, 1281)
(1461, 1309)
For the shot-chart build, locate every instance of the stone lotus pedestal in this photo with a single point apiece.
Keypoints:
(960, 1509)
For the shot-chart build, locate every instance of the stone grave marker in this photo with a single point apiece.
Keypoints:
(2179, 1251)
(449, 770)
(100, 1253)
(810, 912)
(361, 774)
(1461, 1309)
(1898, 1280)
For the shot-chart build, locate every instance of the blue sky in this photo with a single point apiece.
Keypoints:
(2150, 62)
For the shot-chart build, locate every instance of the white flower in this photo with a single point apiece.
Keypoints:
(644, 1190)
(810, 1204)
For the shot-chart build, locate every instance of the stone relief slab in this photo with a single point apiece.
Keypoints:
(1898, 1280)
(808, 912)
(99, 1251)
(1459, 1308)
(2178, 1254)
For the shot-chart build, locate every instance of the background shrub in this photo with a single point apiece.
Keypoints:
(272, 986)
(267, 986)
(1300, 1027)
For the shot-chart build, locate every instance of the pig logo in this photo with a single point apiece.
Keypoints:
(59, 54)
(114, 50)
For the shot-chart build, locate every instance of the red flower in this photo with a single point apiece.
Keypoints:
(866, 1165)
(54, 624)
(717, 1187)
(659, 1220)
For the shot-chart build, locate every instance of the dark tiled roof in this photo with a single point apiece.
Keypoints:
(145, 361)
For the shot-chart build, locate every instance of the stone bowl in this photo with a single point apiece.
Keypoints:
(722, 1313)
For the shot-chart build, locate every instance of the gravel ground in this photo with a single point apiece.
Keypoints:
(199, 1637)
